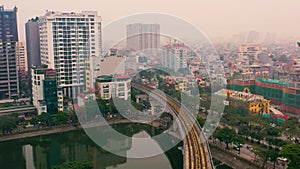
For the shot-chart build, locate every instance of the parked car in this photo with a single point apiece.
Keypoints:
(236, 147)
(282, 159)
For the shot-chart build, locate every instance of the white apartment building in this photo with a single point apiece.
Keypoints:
(67, 40)
(38, 91)
(175, 57)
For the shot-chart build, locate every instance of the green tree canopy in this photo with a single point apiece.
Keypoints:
(226, 135)
(292, 152)
(74, 165)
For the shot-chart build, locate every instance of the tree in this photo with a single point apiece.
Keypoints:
(272, 156)
(226, 135)
(238, 140)
(201, 121)
(292, 152)
(8, 123)
(275, 141)
(74, 165)
(61, 117)
(292, 127)
(262, 153)
(244, 130)
(273, 131)
(44, 118)
(72, 116)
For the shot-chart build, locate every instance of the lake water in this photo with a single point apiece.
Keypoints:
(44, 152)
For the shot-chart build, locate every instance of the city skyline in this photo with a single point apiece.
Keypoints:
(95, 84)
(241, 17)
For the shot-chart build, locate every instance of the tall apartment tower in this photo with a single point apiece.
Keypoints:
(253, 37)
(9, 85)
(21, 56)
(175, 56)
(33, 42)
(67, 40)
(143, 36)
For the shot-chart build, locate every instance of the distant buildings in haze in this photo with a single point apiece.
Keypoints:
(143, 36)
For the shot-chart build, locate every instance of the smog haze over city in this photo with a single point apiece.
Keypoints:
(149, 84)
(214, 18)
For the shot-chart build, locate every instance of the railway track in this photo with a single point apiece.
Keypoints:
(198, 155)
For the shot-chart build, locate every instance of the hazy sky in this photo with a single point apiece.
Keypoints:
(214, 17)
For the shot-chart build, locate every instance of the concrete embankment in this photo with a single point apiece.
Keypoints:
(60, 129)
(39, 132)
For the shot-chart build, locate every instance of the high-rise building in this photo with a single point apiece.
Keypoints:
(9, 85)
(239, 38)
(143, 36)
(33, 42)
(253, 37)
(21, 56)
(175, 57)
(67, 40)
(92, 66)
(46, 95)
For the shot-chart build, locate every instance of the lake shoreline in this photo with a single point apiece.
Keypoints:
(66, 128)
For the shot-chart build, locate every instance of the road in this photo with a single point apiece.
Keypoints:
(196, 150)
(19, 110)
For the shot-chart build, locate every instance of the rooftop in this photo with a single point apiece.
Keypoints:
(72, 14)
(241, 95)
(269, 81)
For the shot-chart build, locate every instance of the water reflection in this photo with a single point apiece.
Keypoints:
(44, 152)
(157, 162)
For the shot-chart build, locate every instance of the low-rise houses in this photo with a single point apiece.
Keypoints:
(245, 99)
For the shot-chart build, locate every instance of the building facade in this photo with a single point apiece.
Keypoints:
(33, 42)
(245, 99)
(67, 40)
(46, 95)
(109, 86)
(143, 36)
(9, 84)
(92, 66)
(175, 57)
(21, 57)
(285, 94)
(249, 53)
